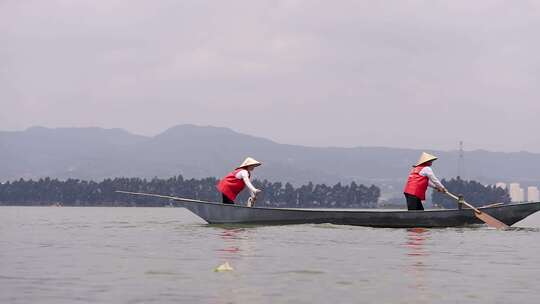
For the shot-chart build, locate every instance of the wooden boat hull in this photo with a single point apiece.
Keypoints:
(217, 213)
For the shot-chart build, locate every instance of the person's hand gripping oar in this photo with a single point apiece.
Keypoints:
(486, 218)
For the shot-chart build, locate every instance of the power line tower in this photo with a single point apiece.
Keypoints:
(460, 161)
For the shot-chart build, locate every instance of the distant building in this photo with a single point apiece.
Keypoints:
(501, 185)
(516, 193)
(533, 194)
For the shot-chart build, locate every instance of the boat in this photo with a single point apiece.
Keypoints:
(218, 213)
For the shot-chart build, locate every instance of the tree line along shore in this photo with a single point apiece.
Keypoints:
(76, 192)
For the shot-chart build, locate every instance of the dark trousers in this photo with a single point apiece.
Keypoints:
(413, 202)
(226, 200)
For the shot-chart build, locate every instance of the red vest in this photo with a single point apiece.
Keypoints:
(230, 185)
(416, 183)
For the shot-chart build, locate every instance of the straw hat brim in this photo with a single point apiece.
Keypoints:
(249, 162)
(424, 158)
(253, 165)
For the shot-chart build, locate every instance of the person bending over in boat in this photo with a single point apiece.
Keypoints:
(234, 182)
(419, 179)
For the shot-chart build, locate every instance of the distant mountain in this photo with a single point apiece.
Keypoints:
(195, 151)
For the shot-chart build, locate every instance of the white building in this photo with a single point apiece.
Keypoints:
(517, 194)
(533, 194)
(501, 185)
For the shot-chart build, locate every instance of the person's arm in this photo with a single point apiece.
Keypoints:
(434, 182)
(244, 175)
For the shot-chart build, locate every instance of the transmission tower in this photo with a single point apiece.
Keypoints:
(460, 160)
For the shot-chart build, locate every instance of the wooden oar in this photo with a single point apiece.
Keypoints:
(162, 196)
(486, 218)
(492, 205)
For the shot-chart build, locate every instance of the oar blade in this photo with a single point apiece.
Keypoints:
(486, 218)
(490, 220)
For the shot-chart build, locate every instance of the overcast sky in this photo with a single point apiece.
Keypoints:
(415, 74)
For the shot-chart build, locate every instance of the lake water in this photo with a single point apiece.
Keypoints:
(167, 255)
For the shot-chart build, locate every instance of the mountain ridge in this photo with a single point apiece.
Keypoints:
(201, 151)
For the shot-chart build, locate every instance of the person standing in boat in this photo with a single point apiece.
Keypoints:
(420, 177)
(233, 183)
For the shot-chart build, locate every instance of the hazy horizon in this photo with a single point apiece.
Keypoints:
(354, 73)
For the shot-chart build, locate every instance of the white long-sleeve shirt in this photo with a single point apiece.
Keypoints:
(244, 175)
(434, 182)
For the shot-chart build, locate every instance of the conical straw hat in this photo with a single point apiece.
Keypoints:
(424, 158)
(249, 162)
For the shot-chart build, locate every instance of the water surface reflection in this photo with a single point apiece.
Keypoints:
(417, 254)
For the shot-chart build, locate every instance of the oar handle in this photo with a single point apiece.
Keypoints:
(452, 195)
(463, 202)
